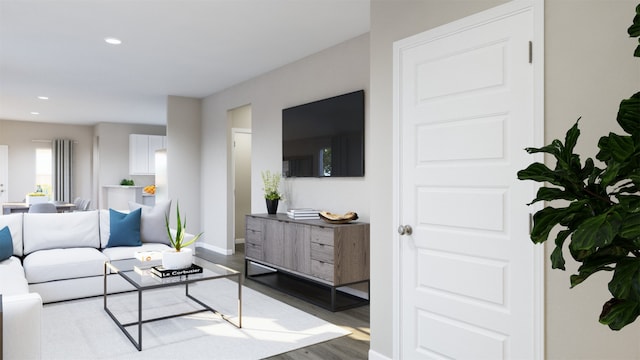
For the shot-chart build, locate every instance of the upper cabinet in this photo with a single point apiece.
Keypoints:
(142, 153)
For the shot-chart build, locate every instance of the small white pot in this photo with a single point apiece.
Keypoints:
(172, 260)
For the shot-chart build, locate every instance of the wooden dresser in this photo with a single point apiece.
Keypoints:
(330, 255)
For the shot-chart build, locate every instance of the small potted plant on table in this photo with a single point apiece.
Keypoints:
(180, 257)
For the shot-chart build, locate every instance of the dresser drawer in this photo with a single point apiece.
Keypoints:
(322, 252)
(254, 224)
(322, 235)
(253, 236)
(322, 270)
(253, 251)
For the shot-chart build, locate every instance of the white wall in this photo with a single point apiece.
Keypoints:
(20, 136)
(589, 69)
(340, 69)
(183, 161)
(112, 160)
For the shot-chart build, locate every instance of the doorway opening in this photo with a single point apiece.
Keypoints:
(241, 168)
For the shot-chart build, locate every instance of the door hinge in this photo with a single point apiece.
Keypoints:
(530, 52)
(530, 223)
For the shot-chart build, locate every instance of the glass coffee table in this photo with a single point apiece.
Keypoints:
(143, 281)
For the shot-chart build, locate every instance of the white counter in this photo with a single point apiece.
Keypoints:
(117, 197)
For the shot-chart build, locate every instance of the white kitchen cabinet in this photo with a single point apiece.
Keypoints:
(142, 153)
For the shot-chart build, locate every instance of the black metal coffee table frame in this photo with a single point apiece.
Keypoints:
(125, 269)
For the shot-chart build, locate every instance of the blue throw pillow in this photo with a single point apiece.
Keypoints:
(124, 228)
(6, 243)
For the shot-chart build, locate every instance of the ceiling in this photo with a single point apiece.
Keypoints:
(191, 48)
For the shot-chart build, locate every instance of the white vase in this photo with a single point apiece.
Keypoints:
(172, 260)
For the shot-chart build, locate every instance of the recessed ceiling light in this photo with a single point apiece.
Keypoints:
(43, 97)
(112, 41)
(35, 113)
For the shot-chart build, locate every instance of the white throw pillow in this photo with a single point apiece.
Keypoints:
(153, 226)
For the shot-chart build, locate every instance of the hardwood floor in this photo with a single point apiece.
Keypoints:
(356, 320)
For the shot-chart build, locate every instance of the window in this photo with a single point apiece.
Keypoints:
(43, 170)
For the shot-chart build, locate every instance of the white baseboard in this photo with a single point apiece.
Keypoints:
(215, 249)
(377, 356)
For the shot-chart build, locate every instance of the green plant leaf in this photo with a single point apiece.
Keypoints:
(596, 232)
(629, 114)
(617, 313)
(610, 174)
(178, 242)
(630, 203)
(625, 283)
(588, 169)
(570, 141)
(546, 219)
(541, 173)
(630, 228)
(549, 194)
(634, 29)
(615, 147)
(557, 258)
(555, 149)
(601, 260)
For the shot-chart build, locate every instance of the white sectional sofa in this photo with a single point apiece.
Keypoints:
(60, 257)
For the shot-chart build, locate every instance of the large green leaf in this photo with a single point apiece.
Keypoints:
(625, 283)
(541, 173)
(629, 114)
(570, 141)
(630, 203)
(596, 232)
(617, 313)
(601, 260)
(555, 149)
(617, 152)
(546, 219)
(549, 194)
(610, 174)
(557, 258)
(630, 228)
(634, 30)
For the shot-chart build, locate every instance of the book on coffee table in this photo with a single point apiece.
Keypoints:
(161, 272)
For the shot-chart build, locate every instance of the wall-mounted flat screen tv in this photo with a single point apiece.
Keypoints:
(324, 138)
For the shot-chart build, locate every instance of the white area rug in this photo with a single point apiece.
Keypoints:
(81, 329)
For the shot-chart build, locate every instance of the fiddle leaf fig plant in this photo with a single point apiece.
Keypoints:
(599, 223)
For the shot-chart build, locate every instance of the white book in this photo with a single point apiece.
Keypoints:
(303, 211)
(304, 216)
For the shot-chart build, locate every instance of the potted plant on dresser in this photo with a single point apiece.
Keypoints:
(271, 190)
(180, 256)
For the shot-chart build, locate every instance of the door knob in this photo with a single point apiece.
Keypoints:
(405, 230)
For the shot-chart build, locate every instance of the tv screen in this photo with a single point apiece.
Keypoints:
(324, 138)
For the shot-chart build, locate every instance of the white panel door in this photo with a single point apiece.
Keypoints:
(4, 174)
(464, 113)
